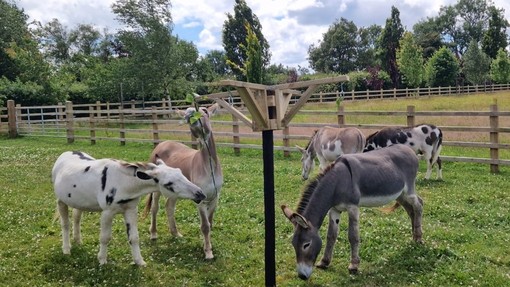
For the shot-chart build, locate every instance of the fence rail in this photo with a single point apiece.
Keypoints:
(156, 121)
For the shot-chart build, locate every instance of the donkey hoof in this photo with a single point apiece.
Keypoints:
(140, 263)
(209, 255)
(323, 265)
(353, 269)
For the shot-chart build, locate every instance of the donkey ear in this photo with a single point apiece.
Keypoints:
(300, 220)
(295, 218)
(213, 109)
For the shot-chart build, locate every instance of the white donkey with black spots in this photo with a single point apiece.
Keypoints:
(111, 186)
(425, 139)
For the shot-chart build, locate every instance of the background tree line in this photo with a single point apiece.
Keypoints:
(45, 63)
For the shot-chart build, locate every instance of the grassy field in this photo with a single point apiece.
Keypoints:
(465, 226)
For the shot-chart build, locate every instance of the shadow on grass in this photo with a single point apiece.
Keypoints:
(82, 268)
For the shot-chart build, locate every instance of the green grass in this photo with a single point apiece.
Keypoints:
(465, 225)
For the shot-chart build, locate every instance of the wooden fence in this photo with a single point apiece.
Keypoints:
(156, 121)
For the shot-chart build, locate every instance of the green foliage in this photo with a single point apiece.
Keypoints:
(357, 81)
(476, 64)
(427, 35)
(344, 48)
(27, 93)
(337, 51)
(410, 61)
(500, 68)
(495, 37)
(235, 36)
(252, 68)
(388, 44)
(441, 69)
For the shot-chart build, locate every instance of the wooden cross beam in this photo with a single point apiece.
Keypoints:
(269, 105)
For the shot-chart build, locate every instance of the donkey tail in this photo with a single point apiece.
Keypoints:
(390, 209)
(148, 204)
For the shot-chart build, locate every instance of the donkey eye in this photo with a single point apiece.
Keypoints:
(168, 186)
(306, 245)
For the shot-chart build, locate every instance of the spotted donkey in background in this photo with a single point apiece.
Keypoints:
(425, 139)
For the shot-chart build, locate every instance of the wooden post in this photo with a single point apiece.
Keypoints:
(494, 136)
(155, 130)
(98, 109)
(92, 124)
(395, 93)
(69, 122)
(410, 116)
(11, 115)
(340, 116)
(132, 107)
(122, 126)
(286, 141)
(235, 138)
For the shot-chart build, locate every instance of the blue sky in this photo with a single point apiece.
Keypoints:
(290, 26)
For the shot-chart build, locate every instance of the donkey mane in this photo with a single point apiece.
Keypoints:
(311, 139)
(310, 188)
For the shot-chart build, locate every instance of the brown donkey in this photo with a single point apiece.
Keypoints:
(202, 167)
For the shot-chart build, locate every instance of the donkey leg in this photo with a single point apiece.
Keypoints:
(205, 227)
(334, 221)
(414, 207)
(353, 235)
(439, 168)
(76, 225)
(105, 235)
(130, 219)
(170, 213)
(211, 208)
(154, 214)
(428, 158)
(63, 211)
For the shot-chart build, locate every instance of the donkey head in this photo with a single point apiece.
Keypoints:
(171, 181)
(307, 162)
(198, 121)
(306, 241)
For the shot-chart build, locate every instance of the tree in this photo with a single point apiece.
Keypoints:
(495, 38)
(157, 63)
(366, 46)
(388, 44)
(476, 64)
(54, 41)
(442, 69)
(500, 68)
(235, 35)
(19, 56)
(336, 53)
(427, 35)
(410, 61)
(465, 21)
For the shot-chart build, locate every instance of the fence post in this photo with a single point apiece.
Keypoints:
(92, 124)
(69, 122)
(122, 126)
(98, 109)
(410, 116)
(286, 141)
(340, 116)
(494, 137)
(11, 115)
(155, 130)
(235, 137)
(133, 107)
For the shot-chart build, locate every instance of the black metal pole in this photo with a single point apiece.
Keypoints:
(268, 157)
